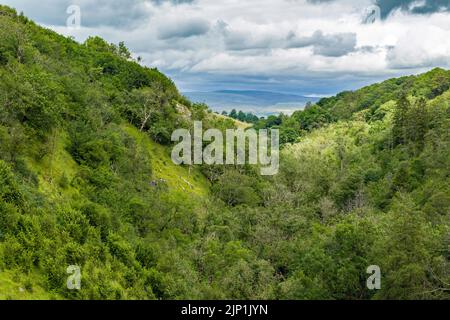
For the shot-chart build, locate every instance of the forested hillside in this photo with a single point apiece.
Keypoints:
(86, 179)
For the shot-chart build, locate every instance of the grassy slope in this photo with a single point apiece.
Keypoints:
(237, 123)
(180, 180)
(16, 286)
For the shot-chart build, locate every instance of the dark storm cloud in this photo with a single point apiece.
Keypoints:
(320, 1)
(240, 40)
(174, 2)
(116, 13)
(410, 6)
(427, 7)
(184, 29)
(329, 45)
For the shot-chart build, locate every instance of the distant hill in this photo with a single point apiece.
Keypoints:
(261, 103)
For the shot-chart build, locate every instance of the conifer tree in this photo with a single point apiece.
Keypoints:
(400, 120)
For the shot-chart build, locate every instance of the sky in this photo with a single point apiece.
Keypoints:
(307, 47)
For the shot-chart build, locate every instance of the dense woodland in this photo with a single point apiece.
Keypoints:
(241, 116)
(86, 179)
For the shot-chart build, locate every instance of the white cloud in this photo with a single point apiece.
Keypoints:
(421, 48)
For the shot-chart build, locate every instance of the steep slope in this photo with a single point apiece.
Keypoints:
(80, 171)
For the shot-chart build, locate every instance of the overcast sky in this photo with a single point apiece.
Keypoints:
(311, 47)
